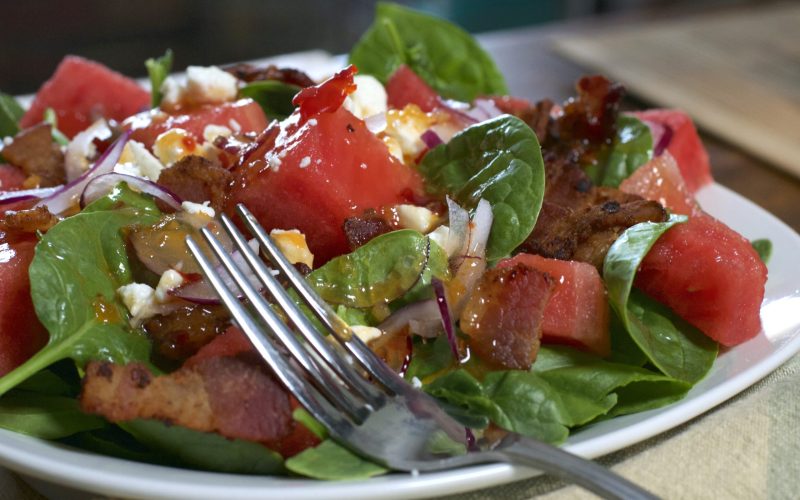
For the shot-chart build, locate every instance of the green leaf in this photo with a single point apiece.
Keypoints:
(379, 272)
(430, 357)
(75, 272)
(442, 54)
(304, 418)
(205, 450)
(51, 118)
(159, 69)
(764, 249)
(10, 114)
(332, 462)
(274, 97)
(674, 346)
(115, 442)
(499, 160)
(632, 148)
(44, 416)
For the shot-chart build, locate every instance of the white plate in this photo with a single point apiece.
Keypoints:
(735, 370)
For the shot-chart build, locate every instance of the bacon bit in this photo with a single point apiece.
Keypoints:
(326, 97)
(34, 151)
(29, 220)
(251, 73)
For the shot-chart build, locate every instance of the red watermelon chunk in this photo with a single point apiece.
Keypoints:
(684, 144)
(11, 178)
(577, 313)
(405, 87)
(710, 276)
(21, 334)
(80, 91)
(660, 180)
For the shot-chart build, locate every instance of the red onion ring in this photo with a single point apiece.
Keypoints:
(663, 141)
(447, 319)
(431, 138)
(421, 317)
(100, 185)
(69, 194)
(27, 194)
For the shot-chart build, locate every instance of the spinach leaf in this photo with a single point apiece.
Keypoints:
(332, 462)
(274, 97)
(204, 450)
(51, 118)
(44, 416)
(442, 54)
(10, 114)
(632, 148)
(158, 69)
(429, 357)
(77, 268)
(671, 344)
(764, 249)
(499, 160)
(113, 441)
(379, 272)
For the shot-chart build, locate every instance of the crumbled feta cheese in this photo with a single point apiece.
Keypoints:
(81, 149)
(140, 300)
(394, 147)
(199, 208)
(406, 127)
(366, 333)
(211, 132)
(440, 236)
(173, 145)
(204, 85)
(7, 140)
(305, 162)
(416, 383)
(312, 122)
(170, 280)
(128, 168)
(137, 160)
(417, 218)
(368, 99)
(293, 245)
(235, 125)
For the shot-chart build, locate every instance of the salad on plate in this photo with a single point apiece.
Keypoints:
(535, 266)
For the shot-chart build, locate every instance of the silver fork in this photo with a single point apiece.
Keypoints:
(365, 406)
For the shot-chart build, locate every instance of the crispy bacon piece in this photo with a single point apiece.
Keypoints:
(503, 316)
(252, 73)
(29, 220)
(197, 179)
(34, 151)
(361, 229)
(232, 396)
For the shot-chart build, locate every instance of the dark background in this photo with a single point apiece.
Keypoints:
(36, 34)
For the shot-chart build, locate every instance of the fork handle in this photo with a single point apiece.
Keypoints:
(571, 468)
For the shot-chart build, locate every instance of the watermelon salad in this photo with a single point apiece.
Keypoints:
(580, 278)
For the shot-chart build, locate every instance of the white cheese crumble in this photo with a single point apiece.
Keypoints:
(440, 236)
(369, 98)
(417, 218)
(416, 383)
(169, 281)
(199, 208)
(204, 85)
(293, 246)
(81, 149)
(173, 145)
(212, 131)
(137, 160)
(306, 161)
(366, 333)
(144, 302)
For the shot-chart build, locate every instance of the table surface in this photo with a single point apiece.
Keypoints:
(533, 70)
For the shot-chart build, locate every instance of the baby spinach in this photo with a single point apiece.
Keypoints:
(632, 148)
(383, 270)
(44, 416)
(274, 97)
(499, 160)
(58, 136)
(332, 462)
(671, 344)
(77, 268)
(204, 450)
(10, 114)
(158, 69)
(442, 54)
(764, 249)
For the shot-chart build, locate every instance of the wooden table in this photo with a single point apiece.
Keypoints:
(533, 70)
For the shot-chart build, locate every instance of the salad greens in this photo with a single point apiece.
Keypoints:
(51, 118)
(274, 97)
(444, 55)
(10, 114)
(499, 160)
(670, 343)
(632, 148)
(764, 249)
(158, 69)
(78, 266)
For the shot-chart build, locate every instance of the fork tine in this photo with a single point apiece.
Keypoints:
(334, 360)
(288, 374)
(341, 332)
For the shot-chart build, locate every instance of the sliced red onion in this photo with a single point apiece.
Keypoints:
(662, 143)
(27, 194)
(479, 229)
(459, 228)
(201, 291)
(431, 139)
(101, 185)
(483, 109)
(69, 194)
(447, 319)
(422, 318)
